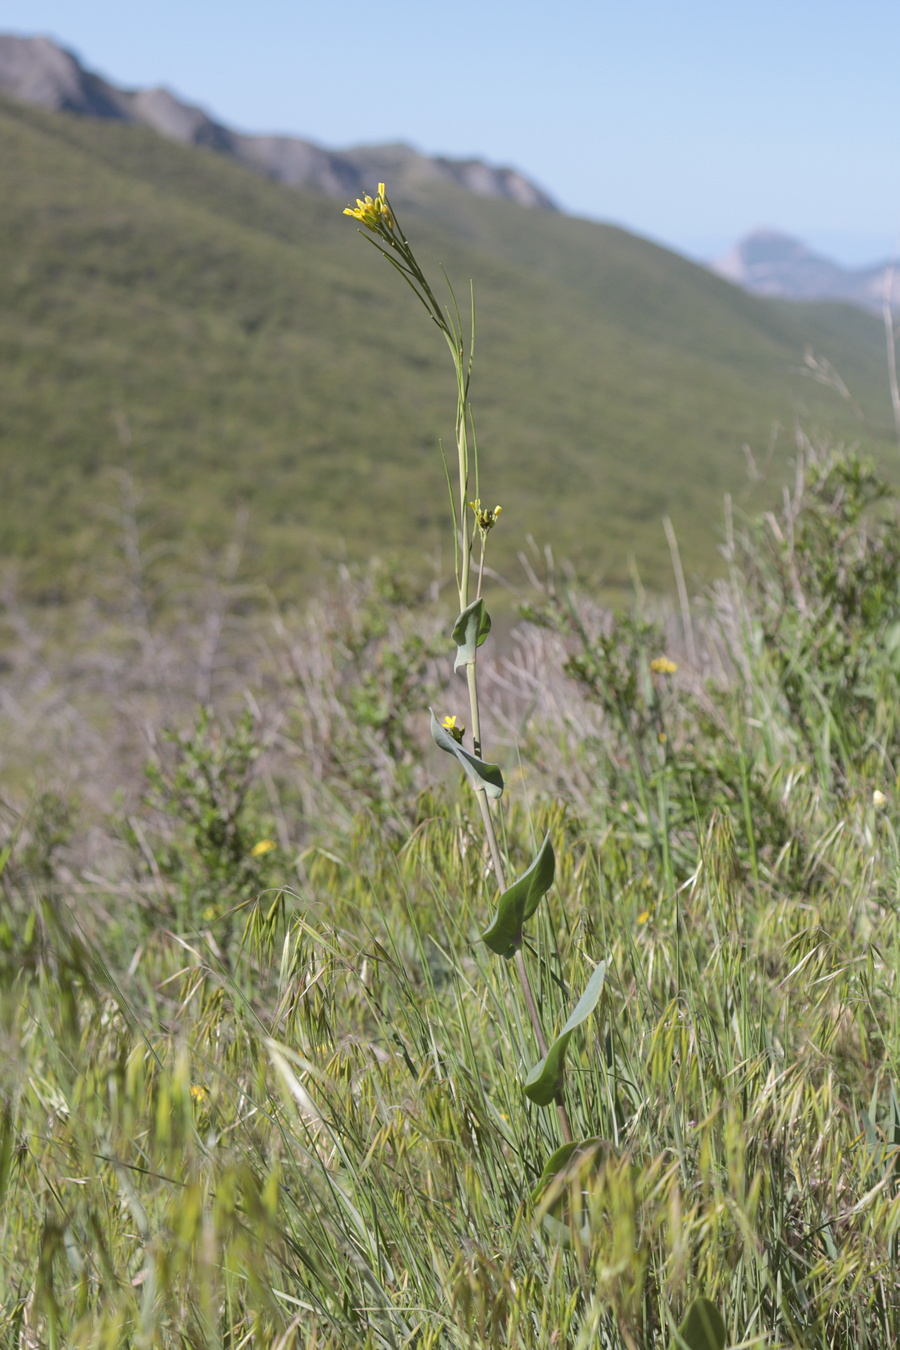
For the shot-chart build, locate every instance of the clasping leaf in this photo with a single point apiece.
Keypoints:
(519, 903)
(702, 1328)
(545, 1081)
(469, 631)
(484, 777)
(571, 1165)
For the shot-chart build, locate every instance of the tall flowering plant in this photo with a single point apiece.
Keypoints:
(472, 523)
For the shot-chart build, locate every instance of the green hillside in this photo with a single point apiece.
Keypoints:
(233, 343)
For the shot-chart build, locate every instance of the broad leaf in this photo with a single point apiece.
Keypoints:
(570, 1163)
(519, 902)
(702, 1328)
(567, 1159)
(469, 631)
(485, 777)
(545, 1081)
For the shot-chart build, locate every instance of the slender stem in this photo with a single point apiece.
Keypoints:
(486, 817)
(529, 1001)
(462, 449)
(480, 568)
(473, 709)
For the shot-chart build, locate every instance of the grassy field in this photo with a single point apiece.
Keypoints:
(227, 342)
(272, 1095)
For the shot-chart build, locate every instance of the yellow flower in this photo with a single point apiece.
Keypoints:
(643, 916)
(661, 665)
(449, 724)
(484, 518)
(372, 212)
(264, 846)
(199, 1094)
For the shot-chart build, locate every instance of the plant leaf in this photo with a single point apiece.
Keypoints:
(565, 1155)
(485, 777)
(469, 631)
(702, 1328)
(546, 1078)
(519, 902)
(570, 1162)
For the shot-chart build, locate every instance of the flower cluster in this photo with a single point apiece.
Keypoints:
(373, 212)
(485, 519)
(661, 665)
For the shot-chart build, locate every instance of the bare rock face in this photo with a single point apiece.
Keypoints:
(38, 71)
(770, 263)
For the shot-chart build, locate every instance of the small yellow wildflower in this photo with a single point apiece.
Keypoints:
(449, 724)
(661, 665)
(264, 846)
(199, 1093)
(485, 519)
(643, 916)
(878, 799)
(372, 212)
(210, 913)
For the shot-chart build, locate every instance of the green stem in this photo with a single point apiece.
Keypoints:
(487, 819)
(473, 709)
(462, 450)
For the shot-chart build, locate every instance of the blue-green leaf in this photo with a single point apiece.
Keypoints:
(469, 631)
(702, 1328)
(485, 777)
(519, 902)
(569, 1157)
(545, 1081)
(571, 1163)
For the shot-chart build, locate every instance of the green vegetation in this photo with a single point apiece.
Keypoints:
(267, 1079)
(226, 341)
(292, 1114)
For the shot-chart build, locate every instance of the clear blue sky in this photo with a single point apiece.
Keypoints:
(690, 121)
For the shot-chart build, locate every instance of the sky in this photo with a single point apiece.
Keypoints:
(688, 121)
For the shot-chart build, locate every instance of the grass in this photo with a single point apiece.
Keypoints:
(274, 1098)
(223, 339)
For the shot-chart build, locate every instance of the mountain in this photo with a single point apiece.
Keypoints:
(39, 71)
(232, 345)
(770, 263)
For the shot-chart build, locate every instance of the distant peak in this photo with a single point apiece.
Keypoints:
(770, 262)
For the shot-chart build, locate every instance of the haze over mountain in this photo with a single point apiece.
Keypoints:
(38, 71)
(768, 262)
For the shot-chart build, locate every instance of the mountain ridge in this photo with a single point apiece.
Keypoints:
(770, 262)
(41, 72)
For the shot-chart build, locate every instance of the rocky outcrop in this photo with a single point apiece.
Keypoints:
(38, 71)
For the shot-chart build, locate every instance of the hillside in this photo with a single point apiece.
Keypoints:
(232, 343)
